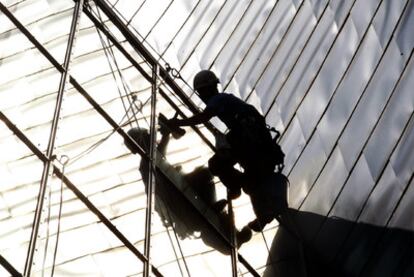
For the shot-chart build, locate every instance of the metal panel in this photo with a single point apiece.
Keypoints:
(305, 172)
(383, 198)
(268, 41)
(372, 102)
(348, 92)
(390, 127)
(327, 186)
(306, 67)
(282, 61)
(403, 217)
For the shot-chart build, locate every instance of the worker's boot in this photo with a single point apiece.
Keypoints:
(243, 236)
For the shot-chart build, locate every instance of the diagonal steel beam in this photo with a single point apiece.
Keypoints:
(9, 267)
(140, 48)
(76, 191)
(98, 24)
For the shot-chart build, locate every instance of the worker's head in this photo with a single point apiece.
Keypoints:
(141, 137)
(205, 83)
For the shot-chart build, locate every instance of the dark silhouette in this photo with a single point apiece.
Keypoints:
(250, 144)
(177, 193)
(308, 244)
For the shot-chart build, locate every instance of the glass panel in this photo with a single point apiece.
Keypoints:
(20, 173)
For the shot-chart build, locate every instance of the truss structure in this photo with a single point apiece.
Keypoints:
(335, 77)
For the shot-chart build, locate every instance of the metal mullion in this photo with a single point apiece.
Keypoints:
(151, 172)
(233, 238)
(52, 138)
(75, 84)
(76, 191)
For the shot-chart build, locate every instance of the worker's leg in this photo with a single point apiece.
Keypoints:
(222, 166)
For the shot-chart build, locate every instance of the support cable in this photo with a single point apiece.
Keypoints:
(105, 49)
(132, 39)
(164, 74)
(111, 53)
(175, 252)
(181, 252)
(47, 221)
(111, 37)
(178, 243)
(63, 161)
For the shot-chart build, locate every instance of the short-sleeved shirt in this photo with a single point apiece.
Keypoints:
(228, 107)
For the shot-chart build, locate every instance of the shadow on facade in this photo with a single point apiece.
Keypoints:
(308, 244)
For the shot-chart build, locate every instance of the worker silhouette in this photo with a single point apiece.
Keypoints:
(250, 141)
(174, 209)
(250, 144)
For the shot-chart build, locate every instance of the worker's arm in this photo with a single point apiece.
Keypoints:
(165, 139)
(199, 118)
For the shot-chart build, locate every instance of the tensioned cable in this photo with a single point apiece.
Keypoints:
(47, 222)
(63, 161)
(132, 102)
(161, 57)
(108, 55)
(119, 71)
(161, 83)
(175, 252)
(98, 143)
(179, 246)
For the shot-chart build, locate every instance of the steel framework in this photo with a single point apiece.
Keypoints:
(157, 72)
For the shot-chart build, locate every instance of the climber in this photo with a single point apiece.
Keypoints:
(250, 142)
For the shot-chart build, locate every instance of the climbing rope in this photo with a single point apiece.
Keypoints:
(63, 162)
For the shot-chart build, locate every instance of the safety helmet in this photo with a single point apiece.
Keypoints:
(205, 78)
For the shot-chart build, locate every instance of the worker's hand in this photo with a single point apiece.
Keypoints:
(173, 126)
(164, 130)
(173, 122)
